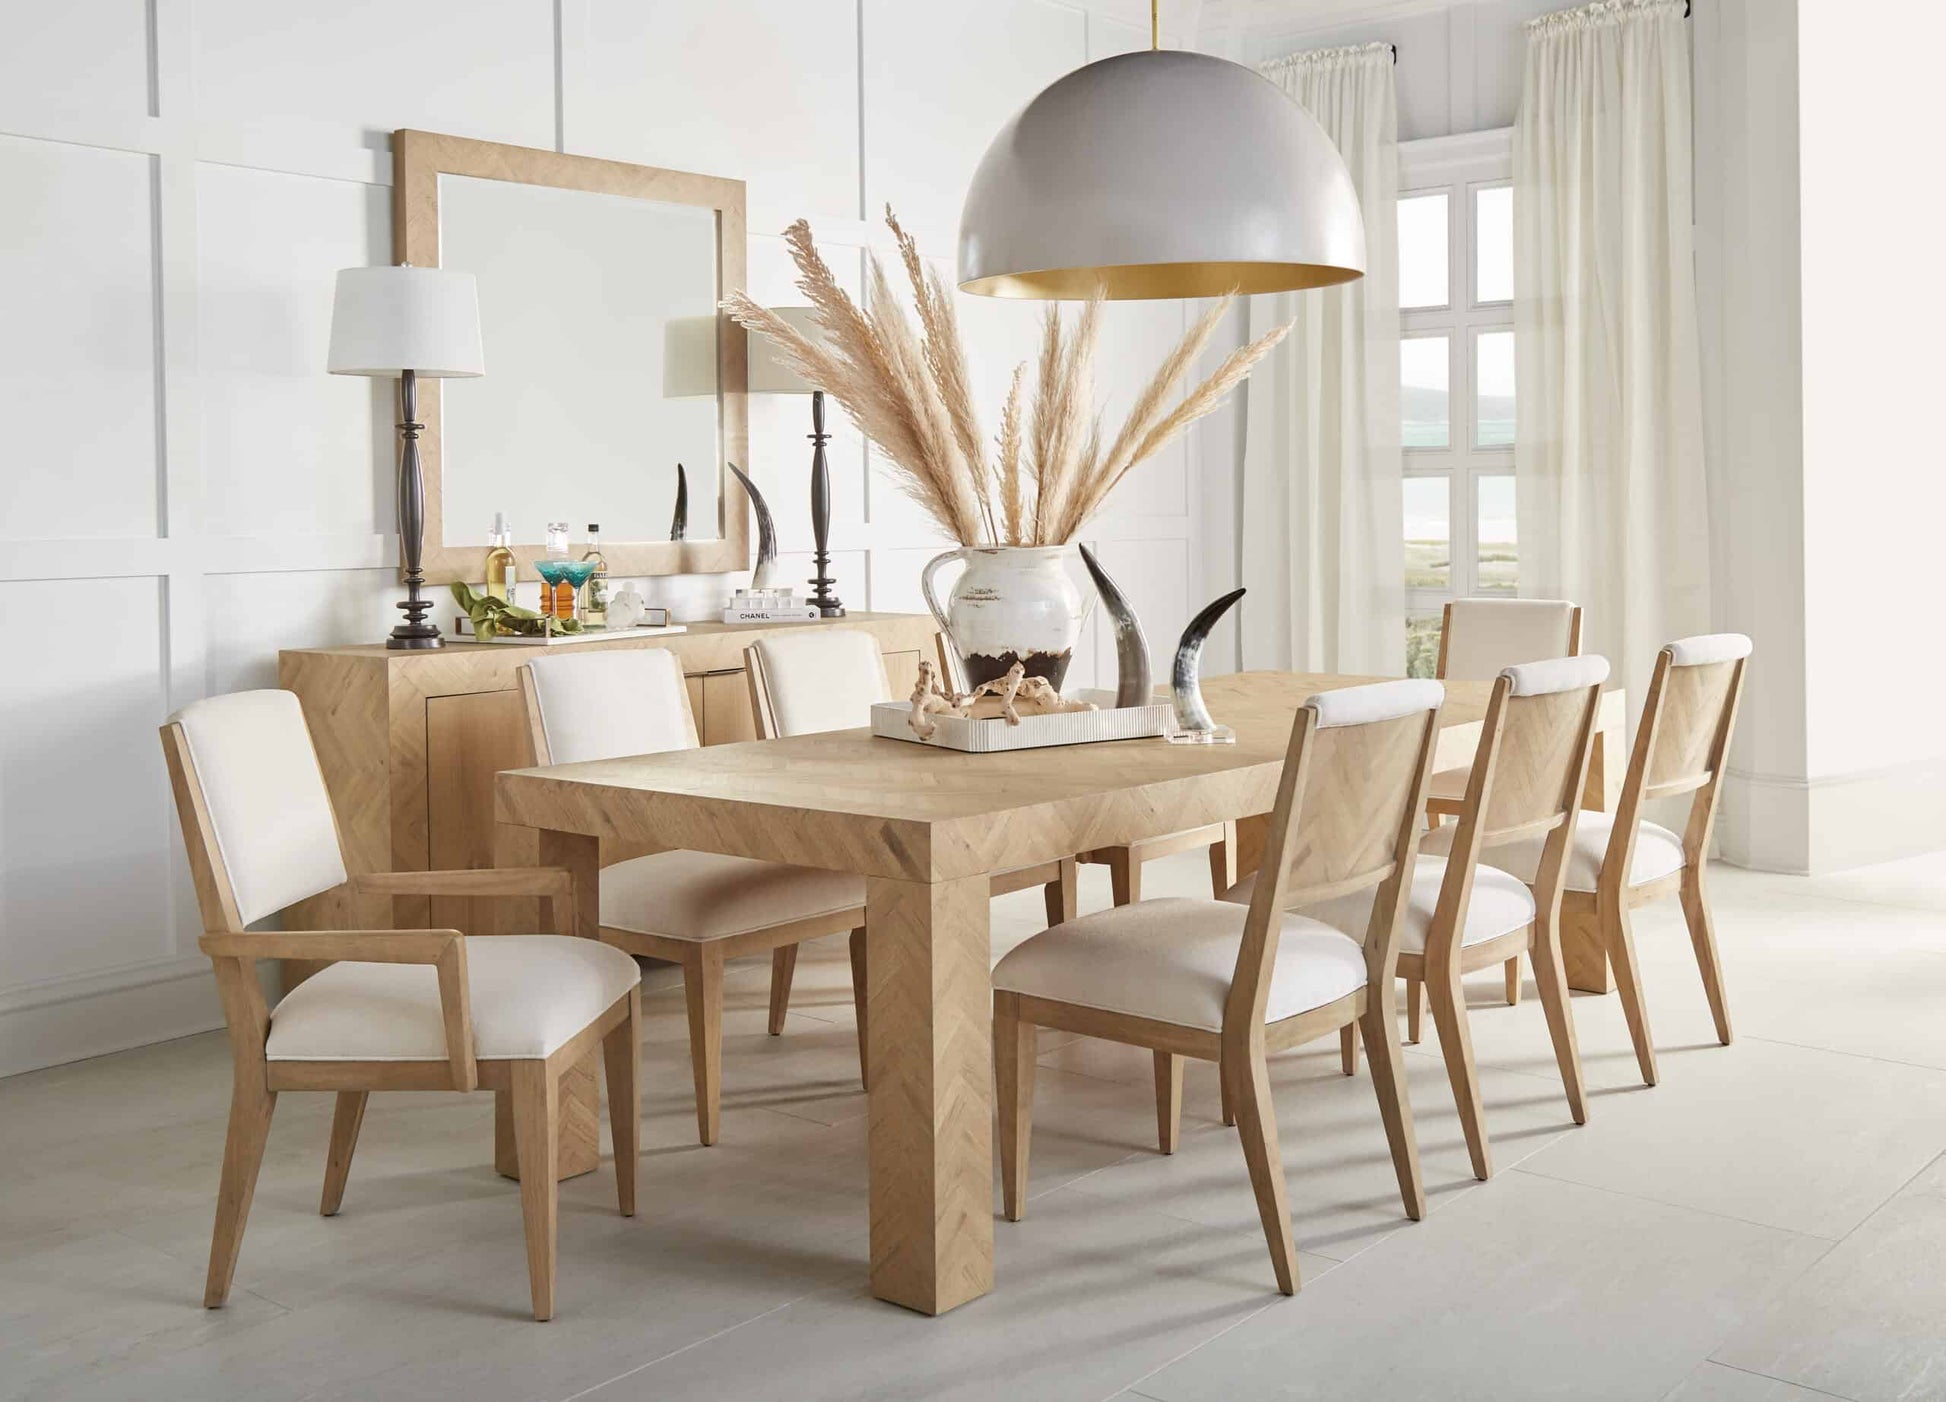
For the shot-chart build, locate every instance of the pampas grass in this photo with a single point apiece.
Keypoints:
(910, 392)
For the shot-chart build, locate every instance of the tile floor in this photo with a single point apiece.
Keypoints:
(1768, 1224)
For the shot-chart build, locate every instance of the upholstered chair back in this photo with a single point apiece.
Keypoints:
(602, 705)
(256, 773)
(1483, 636)
(1542, 729)
(817, 679)
(1694, 687)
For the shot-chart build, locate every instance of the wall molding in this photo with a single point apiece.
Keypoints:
(70, 1018)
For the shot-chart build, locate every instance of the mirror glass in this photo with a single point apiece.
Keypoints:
(573, 420)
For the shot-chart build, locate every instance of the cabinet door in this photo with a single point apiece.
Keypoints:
(902, 673)
(470, 739)
(727, 715)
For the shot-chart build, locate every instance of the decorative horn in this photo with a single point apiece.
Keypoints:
(679, 524)
(1135, 684)
(766, 531)
(1185, 678)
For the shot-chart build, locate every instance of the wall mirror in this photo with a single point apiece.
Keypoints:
(596, 278)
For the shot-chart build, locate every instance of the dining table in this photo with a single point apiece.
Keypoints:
(927, 827)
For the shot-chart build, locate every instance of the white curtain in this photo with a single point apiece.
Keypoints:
(1320, 544)
(1609, 433)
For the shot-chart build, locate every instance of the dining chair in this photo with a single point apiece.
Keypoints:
(1477, 639)
(1229, 983)
(1620, 860)
(1525, 784)
(821, 679)
(400, 1009)
(695, 909)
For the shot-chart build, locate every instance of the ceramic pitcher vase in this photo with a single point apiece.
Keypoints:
(1012, 603)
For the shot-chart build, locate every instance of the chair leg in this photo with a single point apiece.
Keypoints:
(1513, 982)
(783, 968)
(537, 1126)
(1414, 1003)
(1168, 1101)
(1223, 862)
(1013, 1068)
(1620, 940)
(860, 1000)
(1124, 875)
(702, 983)
(1229, 1096)
(345, 1123)
(1456, 1049)
(1702, 934)
(1380, 1028)
(621, 1052)
(1257, 1126)
(1550, 974)
(1348, 1048)
(243, 1154)
(1062, 893)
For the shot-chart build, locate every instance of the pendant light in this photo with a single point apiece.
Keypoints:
(1160, 173)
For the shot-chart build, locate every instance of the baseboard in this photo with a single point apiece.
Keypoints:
(69, 1019)
(1764, 823)
(1833, 822)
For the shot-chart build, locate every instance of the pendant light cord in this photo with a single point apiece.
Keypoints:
(1155, 25)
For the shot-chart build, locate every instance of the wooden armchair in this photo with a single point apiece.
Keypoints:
(394, 1009)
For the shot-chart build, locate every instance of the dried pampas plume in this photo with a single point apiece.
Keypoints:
(910, 392)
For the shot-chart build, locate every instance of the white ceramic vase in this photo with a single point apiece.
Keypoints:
(1012, 603)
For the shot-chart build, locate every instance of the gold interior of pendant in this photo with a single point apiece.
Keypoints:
(1128, 282)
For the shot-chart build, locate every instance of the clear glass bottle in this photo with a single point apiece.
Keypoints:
(557, 596)
(594, 594)
(500, 565)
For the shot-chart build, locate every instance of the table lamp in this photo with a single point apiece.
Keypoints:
(689, 369)
(408, 322)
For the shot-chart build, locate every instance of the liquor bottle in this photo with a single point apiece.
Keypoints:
(500, 567)
(594, 596)
(557, 597)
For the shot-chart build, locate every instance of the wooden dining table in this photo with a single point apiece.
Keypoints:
(926, 828)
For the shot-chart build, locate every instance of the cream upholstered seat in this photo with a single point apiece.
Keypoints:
(1658, 852)
(396, 1009)
(1173, 961)
(1500, 903)
(697, 909)
(531, 994)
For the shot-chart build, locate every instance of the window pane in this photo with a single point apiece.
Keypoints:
(1421, 644)
(1424, 363)
(1498, 562)
(1493, 389)
(1493, 244)
(1422, 251)
(1428, 534)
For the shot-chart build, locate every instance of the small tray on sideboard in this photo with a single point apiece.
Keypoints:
(463, 633)
(1109, 722)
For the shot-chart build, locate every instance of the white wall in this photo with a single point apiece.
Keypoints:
(187, 491)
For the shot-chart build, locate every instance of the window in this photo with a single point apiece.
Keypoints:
(1456, 382)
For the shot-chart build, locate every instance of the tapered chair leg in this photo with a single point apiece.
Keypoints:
(1229, 1096)
(702, 982)
(1168, 1101)
(1013, 1070)
(1550, 975)
(1062, 894)
(860, 1000)
(243, 1154)
(345, 1123)
(1380, 1028)
(621, 1052)
(1124, 876)
(537, 1115)
(1223, 862)
(783, 968)
(1456, 1049)
(1414, 1003)
(1620, 940)
(1348, 1048)
(1257, 1127)
(1513, 982)
(1702, 935)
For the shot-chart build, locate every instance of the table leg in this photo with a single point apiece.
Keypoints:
(931, 1061)
(579, 1150)
(1584, 953)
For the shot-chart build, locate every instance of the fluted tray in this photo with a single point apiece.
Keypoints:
(1110, 722)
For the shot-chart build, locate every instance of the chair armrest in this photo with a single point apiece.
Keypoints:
(553, 884)
(445, 950)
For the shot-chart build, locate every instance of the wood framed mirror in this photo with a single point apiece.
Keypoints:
(585, 269)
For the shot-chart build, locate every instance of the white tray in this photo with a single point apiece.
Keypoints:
(889, 721)
(592, 635)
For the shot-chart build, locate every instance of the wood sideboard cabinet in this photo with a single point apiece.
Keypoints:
(410, 742)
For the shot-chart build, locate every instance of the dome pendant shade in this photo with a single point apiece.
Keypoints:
(1162, 173)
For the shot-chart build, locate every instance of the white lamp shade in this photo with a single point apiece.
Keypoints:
(426, 320)
(689, 357)
(1161, 173)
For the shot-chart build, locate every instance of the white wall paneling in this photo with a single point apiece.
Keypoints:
(185, 176)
